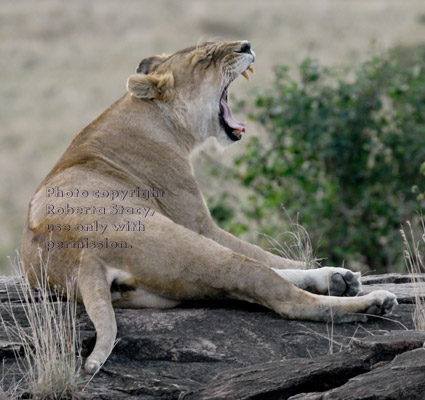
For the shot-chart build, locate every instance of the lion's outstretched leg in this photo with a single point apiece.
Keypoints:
(191, 266)
(96, 295)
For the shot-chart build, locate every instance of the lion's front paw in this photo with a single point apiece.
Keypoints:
(382, 303)
(337, 281)
(325, 281)
(344, 283)
(358, 309)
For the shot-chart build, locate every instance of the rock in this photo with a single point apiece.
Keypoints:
(283, 379)
(402, 378)
(399, 284)
(391, 278)
(237, 350)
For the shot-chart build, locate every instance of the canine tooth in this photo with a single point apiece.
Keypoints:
(251, 69)
(245, 75)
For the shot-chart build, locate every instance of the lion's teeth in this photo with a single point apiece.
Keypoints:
(238, 131)
(245, 73)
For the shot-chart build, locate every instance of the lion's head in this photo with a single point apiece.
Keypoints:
(193, 84)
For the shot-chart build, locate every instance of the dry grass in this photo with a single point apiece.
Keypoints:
(413, 256)
(62, 63)
(51, 362)
(294, 244)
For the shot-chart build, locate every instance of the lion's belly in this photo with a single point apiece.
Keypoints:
(141, 298)
(125, 294)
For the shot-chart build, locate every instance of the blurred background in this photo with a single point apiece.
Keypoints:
(63, 63)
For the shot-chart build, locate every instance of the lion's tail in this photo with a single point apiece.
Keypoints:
(96, 295)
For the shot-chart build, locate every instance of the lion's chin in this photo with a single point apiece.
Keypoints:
(223, 141)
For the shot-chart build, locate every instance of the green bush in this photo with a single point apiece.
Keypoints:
(344, 149)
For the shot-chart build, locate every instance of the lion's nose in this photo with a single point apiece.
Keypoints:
(245, 47)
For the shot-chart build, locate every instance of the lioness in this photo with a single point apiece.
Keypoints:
(122, 211)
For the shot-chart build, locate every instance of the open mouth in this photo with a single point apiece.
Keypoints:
(231, 126)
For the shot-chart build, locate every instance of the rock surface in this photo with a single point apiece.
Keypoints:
(236, 350)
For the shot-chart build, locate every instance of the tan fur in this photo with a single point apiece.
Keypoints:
(145, 140)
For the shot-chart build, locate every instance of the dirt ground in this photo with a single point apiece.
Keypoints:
(62, 63)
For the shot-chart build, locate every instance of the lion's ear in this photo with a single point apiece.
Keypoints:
(150, 86)
(146, 65)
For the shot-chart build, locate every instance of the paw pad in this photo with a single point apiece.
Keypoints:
(344, 284)
(383, 303)
(337, 286)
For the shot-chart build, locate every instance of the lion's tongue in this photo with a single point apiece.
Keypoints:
(230, 120)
